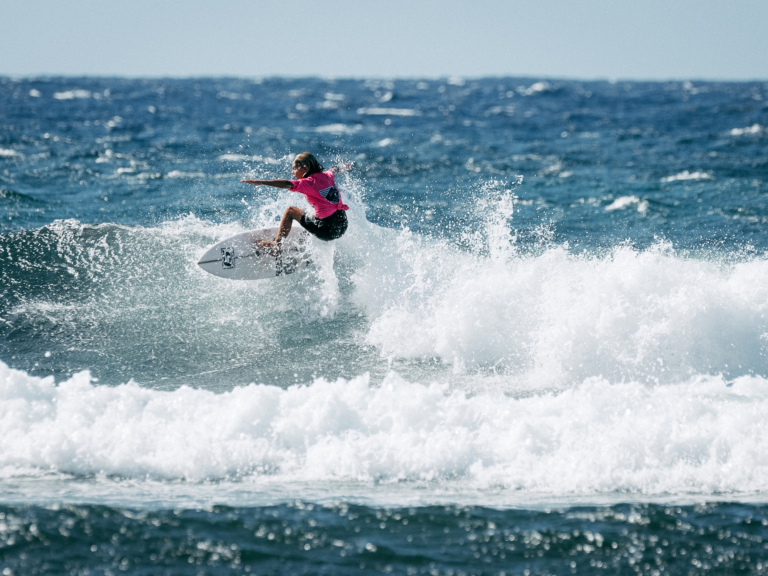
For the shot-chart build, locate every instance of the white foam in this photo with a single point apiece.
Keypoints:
(248, 158)
(698, 436)
(754, 129)
(180, 174)
(337, 129)
(235, 157)
(686, 175)
(555, 318)
(537, 87)
(72, 94)
(509, 110)
(625, 201)
(223, 94)
(388, 111)
(8, 153)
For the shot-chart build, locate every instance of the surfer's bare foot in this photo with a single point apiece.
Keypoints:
(271, 248)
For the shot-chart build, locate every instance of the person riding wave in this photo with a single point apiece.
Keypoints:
(320, 190)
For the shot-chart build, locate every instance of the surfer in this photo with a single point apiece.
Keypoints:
(319, 187)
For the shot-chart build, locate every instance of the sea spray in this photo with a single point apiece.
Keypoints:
(555, 318)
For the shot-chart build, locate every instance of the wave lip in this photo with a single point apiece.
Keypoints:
(700, 437)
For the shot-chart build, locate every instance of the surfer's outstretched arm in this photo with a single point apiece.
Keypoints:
(274, 183)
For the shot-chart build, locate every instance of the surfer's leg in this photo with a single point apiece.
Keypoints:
(291, 213)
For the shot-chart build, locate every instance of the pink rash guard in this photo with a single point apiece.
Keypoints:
(321, 192)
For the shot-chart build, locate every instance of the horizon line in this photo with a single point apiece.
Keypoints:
(330, 77)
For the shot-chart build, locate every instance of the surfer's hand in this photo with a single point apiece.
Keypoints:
(341, 168)
(255, 182)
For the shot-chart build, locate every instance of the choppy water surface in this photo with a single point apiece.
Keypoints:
(542, 344)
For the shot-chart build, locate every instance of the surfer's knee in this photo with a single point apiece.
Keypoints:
(293, 212)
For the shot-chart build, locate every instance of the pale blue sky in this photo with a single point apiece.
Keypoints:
(624, 39)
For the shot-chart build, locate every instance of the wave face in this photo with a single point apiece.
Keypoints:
(130, 302)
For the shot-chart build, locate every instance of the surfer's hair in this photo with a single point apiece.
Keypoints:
(309, 161)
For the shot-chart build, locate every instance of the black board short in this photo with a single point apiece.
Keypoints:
(326, 228)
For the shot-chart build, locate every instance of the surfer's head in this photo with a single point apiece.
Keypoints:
(305, 164)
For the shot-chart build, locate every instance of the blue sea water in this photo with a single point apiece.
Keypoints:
(541, 347)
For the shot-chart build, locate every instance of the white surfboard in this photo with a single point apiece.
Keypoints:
(241, 258)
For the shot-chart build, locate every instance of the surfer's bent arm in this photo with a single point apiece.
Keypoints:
(274, 183)
(341, 168)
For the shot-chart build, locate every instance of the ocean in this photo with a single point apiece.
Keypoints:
(540, 348)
